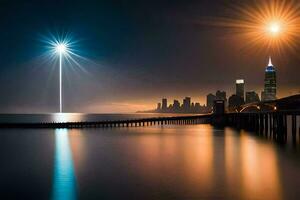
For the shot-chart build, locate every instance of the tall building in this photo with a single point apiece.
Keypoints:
(252, 97)
(240, 88)
(164, 105)
(210, 98)
(269, 92)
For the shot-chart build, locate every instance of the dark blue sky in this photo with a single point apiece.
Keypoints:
(138, 51)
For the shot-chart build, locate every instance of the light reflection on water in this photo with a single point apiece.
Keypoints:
(157, 162)
(191, 162)
(64, 181)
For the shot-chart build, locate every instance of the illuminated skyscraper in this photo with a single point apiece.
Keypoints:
(269, 92)
(240, 88)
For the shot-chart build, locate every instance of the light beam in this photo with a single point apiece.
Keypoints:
(63, 50)
(60, 82)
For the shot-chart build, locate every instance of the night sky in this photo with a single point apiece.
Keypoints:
(136, 53)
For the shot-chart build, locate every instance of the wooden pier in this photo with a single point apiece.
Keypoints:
(275, 124)
(192, 119)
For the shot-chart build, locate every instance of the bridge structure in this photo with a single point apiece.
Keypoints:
(275, 124)
(270, 118)
(287, 103)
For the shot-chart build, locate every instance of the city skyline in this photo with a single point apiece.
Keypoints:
(159, 53)
(232, 101)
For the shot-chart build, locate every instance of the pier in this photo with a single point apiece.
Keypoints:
(192, 119)
(274, 125)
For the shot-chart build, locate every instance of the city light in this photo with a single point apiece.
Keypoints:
(239, 81)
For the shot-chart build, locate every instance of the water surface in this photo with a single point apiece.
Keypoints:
(158, 162)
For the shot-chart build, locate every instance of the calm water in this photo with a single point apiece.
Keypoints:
(169, 162)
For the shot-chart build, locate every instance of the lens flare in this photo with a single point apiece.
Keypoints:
(61, 48)
(63, 53)
(272, 25)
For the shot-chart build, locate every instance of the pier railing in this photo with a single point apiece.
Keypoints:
(192, 119)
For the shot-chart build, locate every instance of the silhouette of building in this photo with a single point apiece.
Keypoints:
(221, 95)
(176, 106)
(210, 98)
(235, 101)
(269, 92)
(158, 106)
(164, 106)
(240, 88)
(219, 107)
(186, 104)
(197, 108)
(252, 97)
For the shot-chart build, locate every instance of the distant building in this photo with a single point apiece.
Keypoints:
(235, 101)
(164, 106)
(210, 98)
(221, 95)
(158, 106)
(269, 92)
(176, 106)
(219, 107)
(197, 108)
(252, 97)
(240, 88)
(186, 104)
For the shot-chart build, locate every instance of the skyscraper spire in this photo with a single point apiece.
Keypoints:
(270, 61)
(270, 89)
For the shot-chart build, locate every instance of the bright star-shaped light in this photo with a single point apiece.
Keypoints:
(271, 25)
(61, 48)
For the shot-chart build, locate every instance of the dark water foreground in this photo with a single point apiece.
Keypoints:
(169, 162)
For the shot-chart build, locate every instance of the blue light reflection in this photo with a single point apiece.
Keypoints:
(64, 181)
